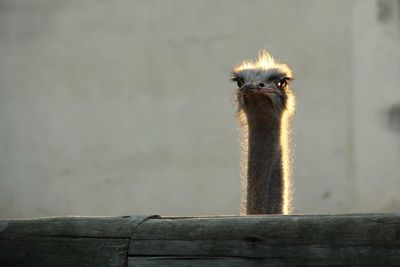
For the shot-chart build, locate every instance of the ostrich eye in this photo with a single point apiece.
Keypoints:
(239, 83)
(282, 83)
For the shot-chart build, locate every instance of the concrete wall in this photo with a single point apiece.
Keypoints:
(376, 109)
(124, 107)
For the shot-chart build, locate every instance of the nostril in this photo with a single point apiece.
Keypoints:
(261, 84)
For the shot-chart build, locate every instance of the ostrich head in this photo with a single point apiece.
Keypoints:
(263, 93)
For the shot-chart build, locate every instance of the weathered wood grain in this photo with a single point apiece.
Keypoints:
(299, 229)
(269, 240)
(58, 251)
(183, 261)
(119, 227)
(354, 240)
(67, 241)
(201, 262)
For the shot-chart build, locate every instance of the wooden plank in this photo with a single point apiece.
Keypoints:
(67, 241)
(119, 227)
(240, 248)
(377, 229)
(304, 254)
(246, 262)
(200, 262)
(269, 240)
(63, 252)
(359, 240)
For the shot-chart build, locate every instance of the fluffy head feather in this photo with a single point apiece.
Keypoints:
(265, 62)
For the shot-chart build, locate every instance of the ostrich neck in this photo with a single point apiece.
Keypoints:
(264, 170)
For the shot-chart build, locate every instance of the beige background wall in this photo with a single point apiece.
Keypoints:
(124, 107)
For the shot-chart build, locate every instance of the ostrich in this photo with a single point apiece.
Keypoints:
(265, 110)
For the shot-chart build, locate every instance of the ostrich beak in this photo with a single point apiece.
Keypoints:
(248, 86)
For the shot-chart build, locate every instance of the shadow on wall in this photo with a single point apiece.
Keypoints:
(385, 10)
(394, 118)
